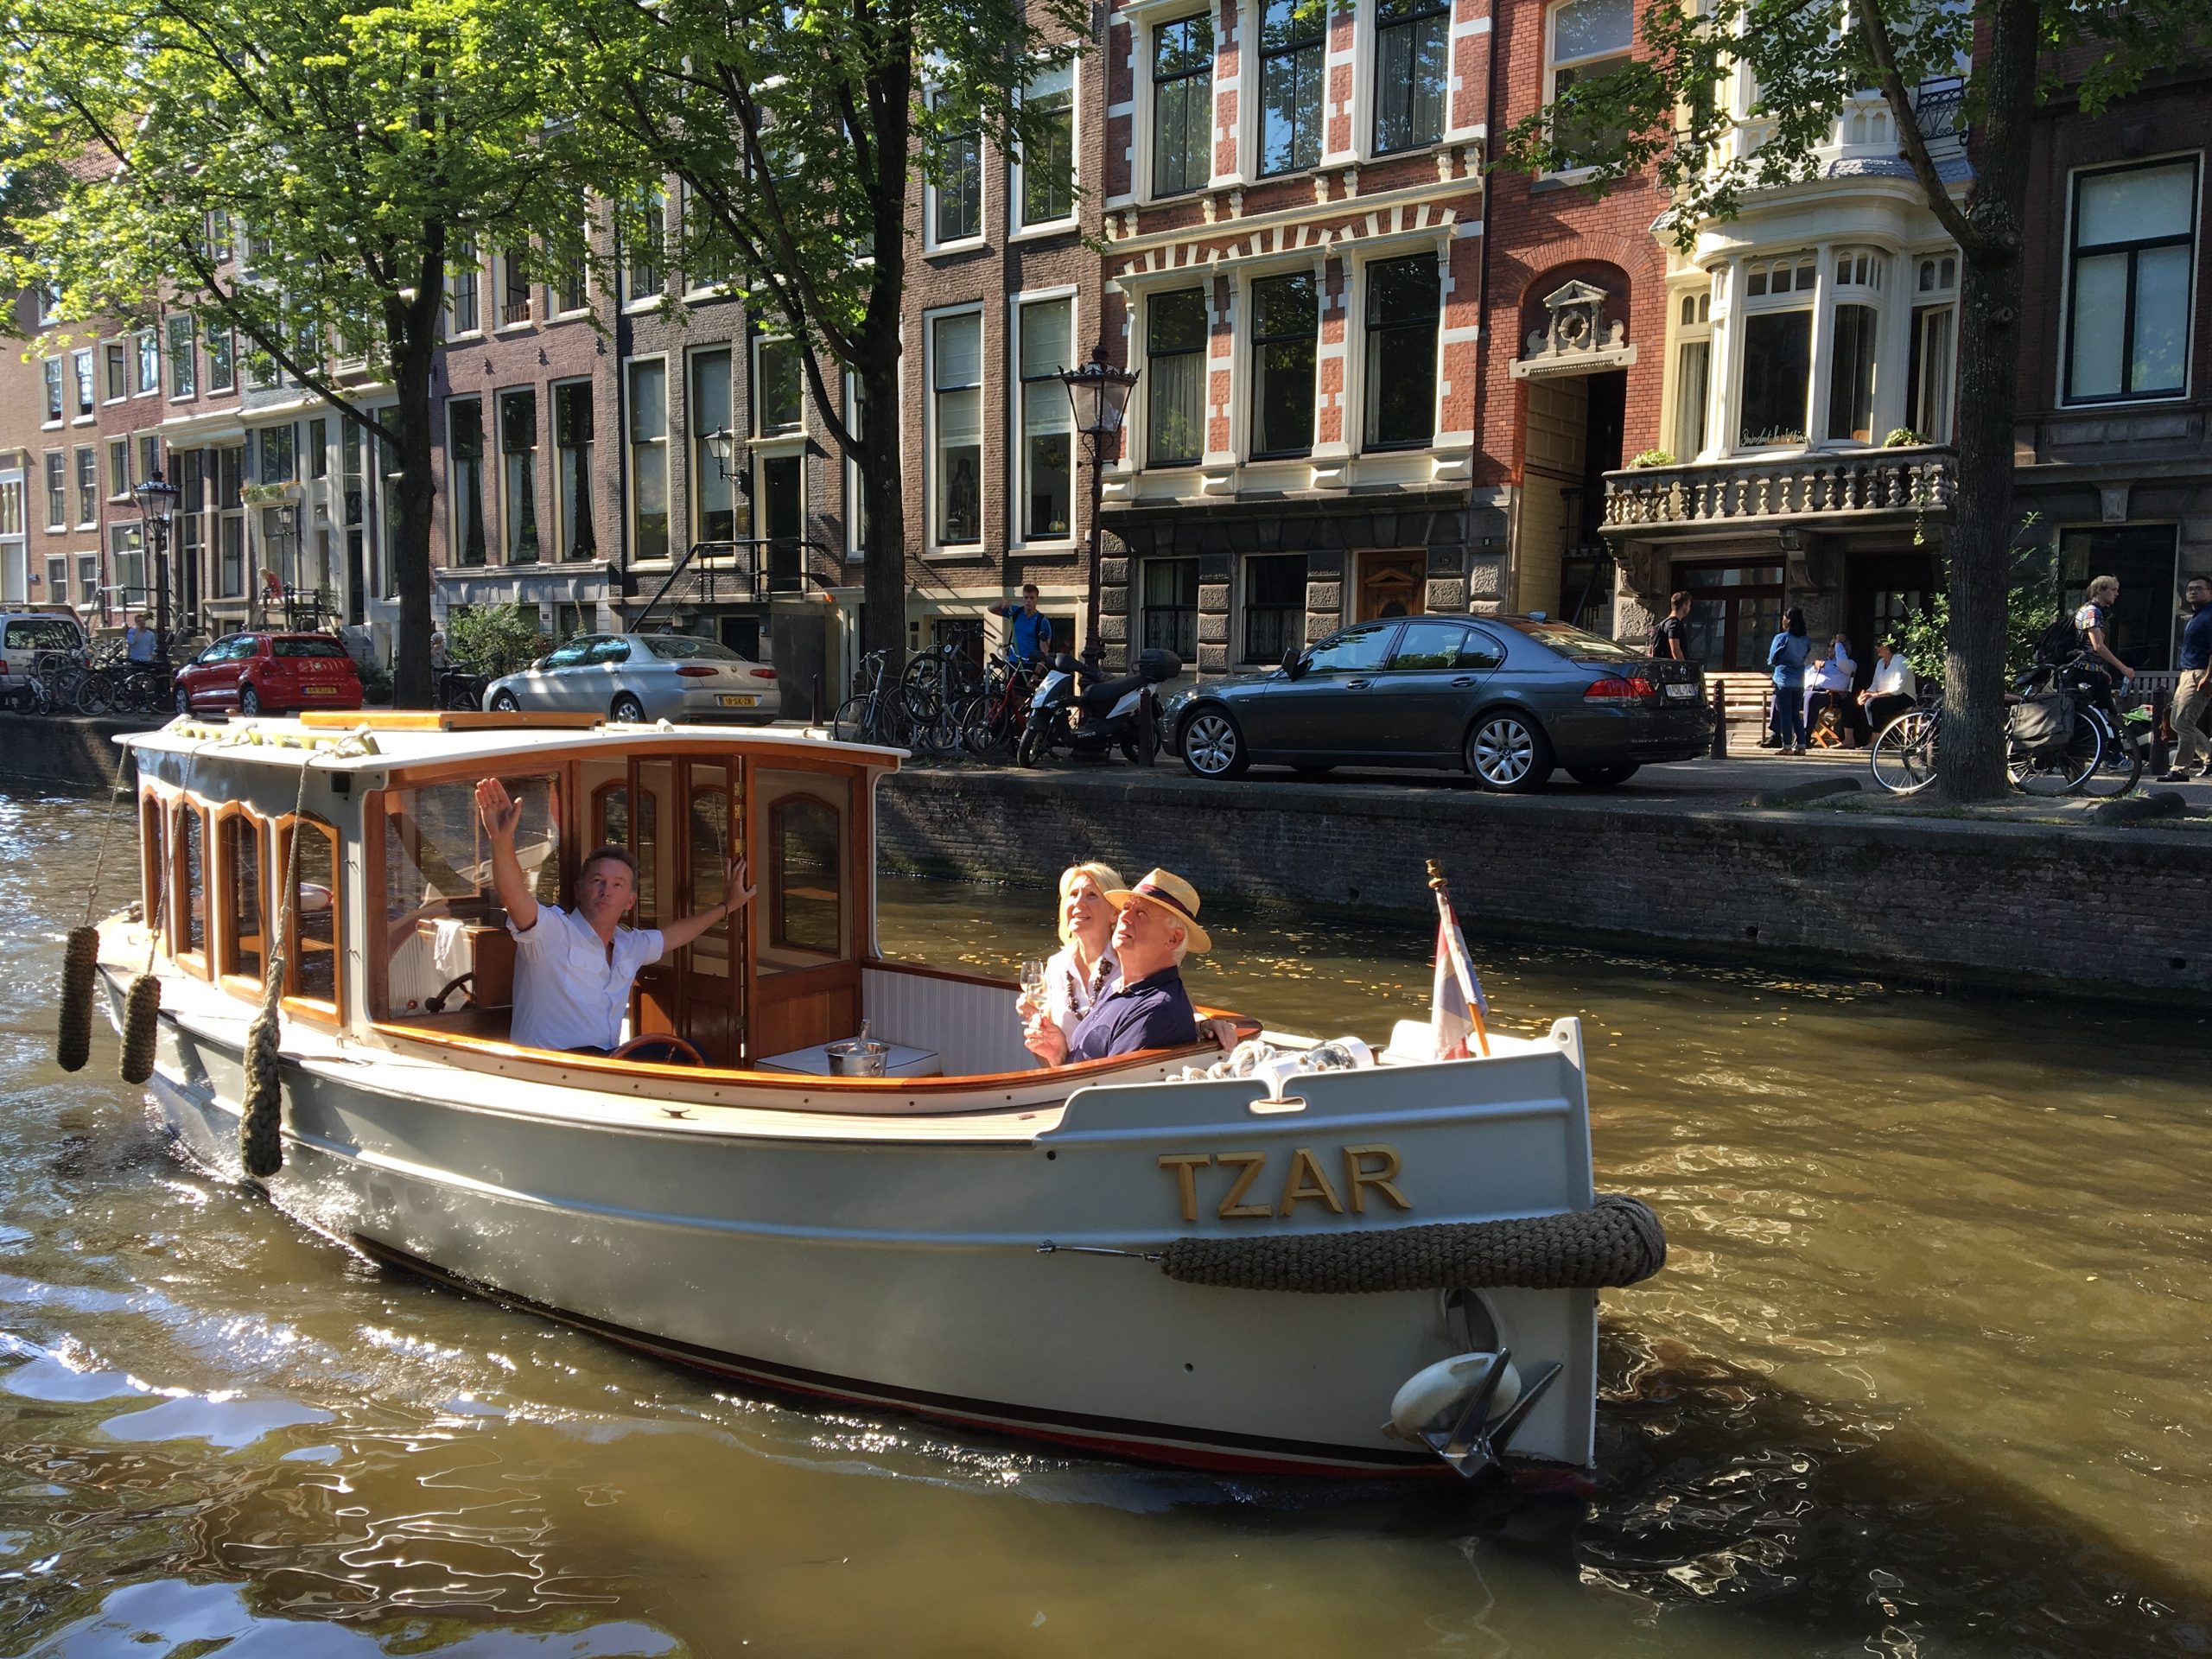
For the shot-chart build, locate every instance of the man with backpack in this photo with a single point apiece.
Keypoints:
(1671, 638)
(2093, 630)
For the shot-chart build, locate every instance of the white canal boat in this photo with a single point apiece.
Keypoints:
(1318, 1276)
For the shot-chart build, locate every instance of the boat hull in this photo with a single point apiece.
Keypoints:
(905, 1273)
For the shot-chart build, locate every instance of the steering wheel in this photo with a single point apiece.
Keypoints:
(438, 1004)
(686, 1056)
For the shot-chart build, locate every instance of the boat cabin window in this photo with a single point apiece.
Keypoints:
(311, 972)
(616, 822)
(240, 887)
(808, 820)
(154, 859)
(443, 921)
(190, 931)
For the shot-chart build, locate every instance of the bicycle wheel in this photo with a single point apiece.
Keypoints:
(2062, 770)
(2120, 767)
(851, 721)
(94, 695)
(1903, 755)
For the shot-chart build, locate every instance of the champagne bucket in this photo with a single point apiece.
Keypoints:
(858, 1057)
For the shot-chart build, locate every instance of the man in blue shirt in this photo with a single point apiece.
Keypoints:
(140, 641)
(1149, 1008)
(2192, 710)
(1032, 629)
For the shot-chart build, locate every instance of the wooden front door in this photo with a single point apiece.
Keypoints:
(1391, 584)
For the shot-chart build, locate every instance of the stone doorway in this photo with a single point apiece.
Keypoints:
(1391, 584)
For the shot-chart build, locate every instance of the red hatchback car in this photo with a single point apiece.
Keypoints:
(265, 673)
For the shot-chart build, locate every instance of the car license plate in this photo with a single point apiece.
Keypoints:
(728, 701)
(1681, 691)
(320, 691)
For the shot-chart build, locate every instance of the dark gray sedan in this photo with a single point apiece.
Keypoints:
(1508, 697)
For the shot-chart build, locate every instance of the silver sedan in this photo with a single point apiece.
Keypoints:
(640, 677)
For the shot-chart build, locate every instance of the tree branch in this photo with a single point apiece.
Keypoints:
(1953, 219)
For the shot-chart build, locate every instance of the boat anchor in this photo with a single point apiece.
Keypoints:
(1476, 1441)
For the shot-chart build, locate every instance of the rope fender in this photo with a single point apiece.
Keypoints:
(1616, 1241)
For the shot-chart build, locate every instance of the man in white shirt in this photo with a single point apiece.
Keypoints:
(573, 968)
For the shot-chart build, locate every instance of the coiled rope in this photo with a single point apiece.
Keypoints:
(1616, 1241)
(261, 1134)
(73, 1040)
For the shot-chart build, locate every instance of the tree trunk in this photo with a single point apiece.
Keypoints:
(1971, 757)
(410, 541)
(883, 488)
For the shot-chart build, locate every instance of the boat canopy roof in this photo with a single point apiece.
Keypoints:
(379, 740)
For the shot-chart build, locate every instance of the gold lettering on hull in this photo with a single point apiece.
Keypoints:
(1371, 1167)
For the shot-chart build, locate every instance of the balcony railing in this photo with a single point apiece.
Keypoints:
(1858, 484)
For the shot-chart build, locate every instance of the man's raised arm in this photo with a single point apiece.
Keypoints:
(500, 813)
(737, 893)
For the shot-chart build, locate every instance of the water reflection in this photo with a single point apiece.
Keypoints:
(1922, 1378)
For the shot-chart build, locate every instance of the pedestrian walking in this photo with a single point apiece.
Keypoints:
(1671, 638)
(1785, 656)
(2192, 705)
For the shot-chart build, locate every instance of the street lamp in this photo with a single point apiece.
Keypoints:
(722, 446)
(1099, 395)
(157, 505)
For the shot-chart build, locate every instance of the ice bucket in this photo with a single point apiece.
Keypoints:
(857, 1056)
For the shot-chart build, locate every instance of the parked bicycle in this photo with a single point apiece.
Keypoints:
(875, 712)
(996, 717)
(938, 689)
(460, 685)
(2067, 736)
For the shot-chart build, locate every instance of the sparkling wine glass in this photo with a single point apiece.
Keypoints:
(1032, 981)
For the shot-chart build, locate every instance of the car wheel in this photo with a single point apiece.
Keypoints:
(628, 709)
(1508, 752)
(1603, 777)
(505, 704)
(1212, 746)
(183, 701)
(249, 702)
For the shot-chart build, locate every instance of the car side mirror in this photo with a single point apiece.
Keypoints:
(537, 663)
(1293, 662)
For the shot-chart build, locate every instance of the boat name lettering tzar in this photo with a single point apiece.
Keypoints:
(1370, 1165)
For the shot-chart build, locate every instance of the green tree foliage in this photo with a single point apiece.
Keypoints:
(494, 640)
(1667, 113)
(794, 130)
(303, 172)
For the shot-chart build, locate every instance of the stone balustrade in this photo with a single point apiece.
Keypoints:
(1920, 480)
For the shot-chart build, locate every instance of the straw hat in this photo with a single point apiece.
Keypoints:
(1172, 894)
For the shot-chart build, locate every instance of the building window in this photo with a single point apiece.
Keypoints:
(641, 272)
(1292, 43)
(88, 582)
(1175, 373)
(2143, 631)
(2127, 320)
(119, 382)
(715, 496)
(855, 486)
(572, 450)
(1182, 104)
(57, 490)
(465, 477)
(514, 288)
(649, 459)
(57, 579)
(1412, 69)
(1404, 298)
(279, 456)
(1693, 372)
(184, 359)
(1171, 607)
(118, 469)
(1285, 324)
(1851, 356)
(778, 407)
(126, 549)
(88, 486)
(82, 362)
(1590, 41)
(463, 315)
(229, 526)
(518, 475)
(957, 380)
(1777, 352)
(150, 360)
(956, 205)
(1048, 420)
(1047, 165)
(1932, 381)
(54, 393)
(1274, 606)
(222, 358)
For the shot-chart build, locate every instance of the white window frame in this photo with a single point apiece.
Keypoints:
(1866, 285)
(932, 485)
(2062, 368)
(630, 446)
(1018, 183)
(1743, 305)
(488, 445)
(58, 367)
(755, 380)
(87, 520)
(474, 268)
(1244, 400)
(190, 359)
(697, 457)
(556, 504)
(856, 487)
(1251, 129)
(982, 236)
(495, 440)
(123, 344)
(632, 300)
(1367, 62)
(118, 478)
(1017, 435)
(55, 525)
(72, 400)
(1920, 306)
(1697, 297)
(500, 263)
(1146, 25)
(138, 343)
(1136, 420)
(1553, 66)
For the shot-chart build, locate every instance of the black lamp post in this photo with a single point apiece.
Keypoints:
(157, 505)
(1099, 394)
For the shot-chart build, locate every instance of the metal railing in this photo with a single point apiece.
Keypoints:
(1919, 479)
(750, 571)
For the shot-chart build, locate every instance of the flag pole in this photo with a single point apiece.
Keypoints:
(1450, 934)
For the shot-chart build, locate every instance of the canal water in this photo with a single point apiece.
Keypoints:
(1925, 1374)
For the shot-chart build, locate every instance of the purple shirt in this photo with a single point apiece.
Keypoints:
(1154, 1012)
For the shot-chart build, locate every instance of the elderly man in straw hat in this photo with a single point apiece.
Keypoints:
(1157, 925)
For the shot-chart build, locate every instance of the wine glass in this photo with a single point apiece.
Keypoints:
(1032, 981)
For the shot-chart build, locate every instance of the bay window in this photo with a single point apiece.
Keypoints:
(1175, 378)
(1932, 377)
(572, 451)
(957, 418)
(1403, 300)
(1292, 43)
(1285, 326)
(1047, 458)
(1412, 72)
(1590, 39)
(649, 459)
(1858, 273)
(465, 477)
(1778, 352)
(518, 475)
(2129, 271)
(714, 497)
(1182, 104)
(1046, 164)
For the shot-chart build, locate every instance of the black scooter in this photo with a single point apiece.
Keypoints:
(1121, 713)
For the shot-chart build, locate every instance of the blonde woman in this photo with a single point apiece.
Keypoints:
(1082, 969)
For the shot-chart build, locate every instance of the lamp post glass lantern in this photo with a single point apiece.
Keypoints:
(1099, 393)
(722, 446)
(157, 505)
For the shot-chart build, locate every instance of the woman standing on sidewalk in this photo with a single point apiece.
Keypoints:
(1785, 655)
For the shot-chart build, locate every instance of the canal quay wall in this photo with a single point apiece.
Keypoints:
(2124, 912)
(78, 753)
